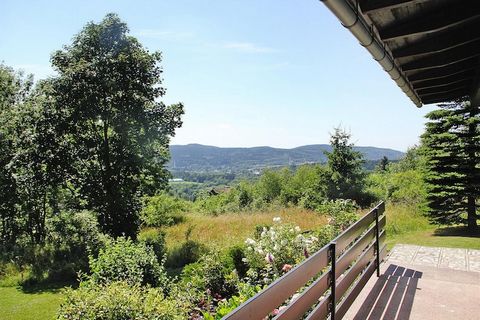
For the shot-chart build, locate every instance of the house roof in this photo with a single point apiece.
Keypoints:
(433, 45)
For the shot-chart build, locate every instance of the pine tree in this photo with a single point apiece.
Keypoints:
(452, 149)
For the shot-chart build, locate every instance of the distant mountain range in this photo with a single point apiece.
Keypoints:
(197, 157)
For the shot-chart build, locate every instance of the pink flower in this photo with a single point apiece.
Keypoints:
(287, 267)
(269, 258)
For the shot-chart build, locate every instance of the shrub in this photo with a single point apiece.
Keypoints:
(124, 260)
(119, 301)
(342, 213)
(162, 210)
(155, 239)
(237, 254)
(246, 291)
(278, 246)
(188, 252)
(71, 238)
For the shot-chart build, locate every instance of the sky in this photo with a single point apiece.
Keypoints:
(277, 73)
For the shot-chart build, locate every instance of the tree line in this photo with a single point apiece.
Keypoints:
(94, 136)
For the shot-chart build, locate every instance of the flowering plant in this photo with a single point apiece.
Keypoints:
(276, 250)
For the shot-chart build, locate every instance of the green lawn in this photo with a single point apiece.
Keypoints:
(404, 225)
(16, 304)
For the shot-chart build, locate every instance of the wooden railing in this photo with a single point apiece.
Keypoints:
(339, 271)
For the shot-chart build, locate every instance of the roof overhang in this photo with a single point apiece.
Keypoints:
(430, 48)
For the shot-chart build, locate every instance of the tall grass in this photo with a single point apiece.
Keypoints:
(227, 230)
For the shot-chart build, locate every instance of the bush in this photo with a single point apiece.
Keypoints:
(119, 301)
(162, 210)
(124, 260)
(155, 239)
(71, 238)
(237, 254)
(188, 252)
(277, 248)
(342, 213)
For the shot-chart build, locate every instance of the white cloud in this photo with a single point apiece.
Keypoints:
(247, 47)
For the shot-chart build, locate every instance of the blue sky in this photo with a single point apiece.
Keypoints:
(280, 73)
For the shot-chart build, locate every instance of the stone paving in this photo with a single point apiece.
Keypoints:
(422, 283)
(448, 258)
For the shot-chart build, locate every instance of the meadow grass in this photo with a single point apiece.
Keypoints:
(231, 229)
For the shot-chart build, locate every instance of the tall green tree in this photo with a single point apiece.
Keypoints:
(108, 85)
(452, 148)
(14, 88)
(345, 169)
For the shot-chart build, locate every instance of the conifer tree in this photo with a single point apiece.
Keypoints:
(452, 149)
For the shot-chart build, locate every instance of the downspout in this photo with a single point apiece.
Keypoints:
(351, 19)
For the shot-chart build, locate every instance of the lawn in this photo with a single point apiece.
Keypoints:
(405, 225)
(16, 304)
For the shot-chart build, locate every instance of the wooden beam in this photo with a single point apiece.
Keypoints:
(445, 58)
(475, 91)
(439, 19)
(369, 6)
(439, 90)
(442, 42)
(451, 79)
(444, 97)
(442, 72)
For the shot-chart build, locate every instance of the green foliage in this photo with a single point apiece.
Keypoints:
(188, 252)
(452, 149)
(124, 260)
(245, 292)
(162, 210)
(107, 88)
(277, 246)
(345, 177)
(119, 301)
(342, 213)
(154, 238)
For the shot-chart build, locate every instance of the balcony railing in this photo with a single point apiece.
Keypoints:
(339, 271)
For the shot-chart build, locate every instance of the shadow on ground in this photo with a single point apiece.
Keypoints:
(392, 295)
(35, 288)
(457, 231)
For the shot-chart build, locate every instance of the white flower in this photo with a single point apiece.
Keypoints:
(250, 241)
(269, 258)
(277, 219)
(276, 247)
(314, 239)
(297, 229)
(283, 242)
(244, 260)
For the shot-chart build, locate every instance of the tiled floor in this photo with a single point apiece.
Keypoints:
(422, 283)
(457, 259)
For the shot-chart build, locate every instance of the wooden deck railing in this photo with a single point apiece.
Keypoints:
(339, 272)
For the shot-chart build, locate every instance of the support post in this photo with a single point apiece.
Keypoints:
(333, 254)
(377, 242)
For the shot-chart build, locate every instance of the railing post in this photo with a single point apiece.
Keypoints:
(377, 242)
(333, 283)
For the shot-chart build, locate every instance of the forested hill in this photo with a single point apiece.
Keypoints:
(200, 157)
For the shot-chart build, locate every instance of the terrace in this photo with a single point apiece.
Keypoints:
(431, 49)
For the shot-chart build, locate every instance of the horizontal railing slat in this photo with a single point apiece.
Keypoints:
(280, 290)
(321, 310)
(347, 236)
(354, 257)
(307, 299)
(345, 283)
(358, 286)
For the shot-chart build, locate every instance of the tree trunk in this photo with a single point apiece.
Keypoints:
(472, 214)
